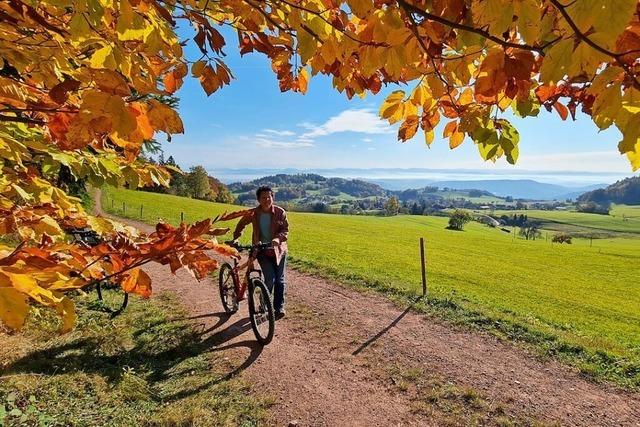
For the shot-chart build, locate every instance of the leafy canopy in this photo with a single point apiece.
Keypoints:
(82, 85)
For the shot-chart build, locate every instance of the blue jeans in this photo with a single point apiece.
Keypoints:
(274, 278)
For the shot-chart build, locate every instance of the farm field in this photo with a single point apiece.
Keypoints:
(584, 297)
(625, 219)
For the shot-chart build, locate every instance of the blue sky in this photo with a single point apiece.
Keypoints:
(251, 124)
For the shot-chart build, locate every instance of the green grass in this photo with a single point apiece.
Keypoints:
(576, 302)
(607, 223)
(147, 366)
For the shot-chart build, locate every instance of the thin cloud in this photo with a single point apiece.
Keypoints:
(270, 143)
(359, 121)
(367, 140)
(280, 132)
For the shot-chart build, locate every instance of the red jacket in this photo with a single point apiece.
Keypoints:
(279, 228)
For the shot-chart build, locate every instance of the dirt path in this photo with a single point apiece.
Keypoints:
(342, 357)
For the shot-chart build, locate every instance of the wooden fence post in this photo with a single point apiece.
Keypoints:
(124, 208)
(141, 210)
(423, 268)
(181, 216)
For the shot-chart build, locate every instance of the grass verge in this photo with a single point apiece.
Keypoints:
(144, 367)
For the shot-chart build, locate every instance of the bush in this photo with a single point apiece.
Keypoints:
(458, 219)
(561, 238)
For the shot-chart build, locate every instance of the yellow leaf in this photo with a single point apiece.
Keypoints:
(26, 284)
(420, 96)
(13, 308)
(557, 62)
(496, 14)
(611, 17)
(391, 104)
(67, 312)
(103, 58)
(585, 60)
(303, 80)
(307, 45)
(429, 135)
(360, 8)
(528, 13)
(100, 225)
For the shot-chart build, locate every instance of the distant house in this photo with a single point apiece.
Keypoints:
(561, 208)
(485, 207)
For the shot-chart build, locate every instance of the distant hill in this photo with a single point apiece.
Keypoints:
(308, 188)
(519, 188)
(626, 192)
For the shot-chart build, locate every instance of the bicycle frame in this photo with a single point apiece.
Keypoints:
(242, 285)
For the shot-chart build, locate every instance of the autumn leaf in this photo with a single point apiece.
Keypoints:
(13, 308)
(408, 129)
(137, 281)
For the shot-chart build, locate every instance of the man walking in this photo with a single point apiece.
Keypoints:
(270, 224)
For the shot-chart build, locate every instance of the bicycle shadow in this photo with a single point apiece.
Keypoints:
(384, 330)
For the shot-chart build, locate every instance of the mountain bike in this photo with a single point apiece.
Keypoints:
(233, 291)
(115, 305)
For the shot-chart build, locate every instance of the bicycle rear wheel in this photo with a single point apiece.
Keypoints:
(261, 311)
(113, 304)
(227, 284)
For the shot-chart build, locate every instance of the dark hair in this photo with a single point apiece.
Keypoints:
(262, 189)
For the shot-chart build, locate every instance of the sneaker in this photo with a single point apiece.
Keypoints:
(280, 314)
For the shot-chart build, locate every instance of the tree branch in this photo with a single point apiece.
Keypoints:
(587, 40)
(20, 119)
(426, 15)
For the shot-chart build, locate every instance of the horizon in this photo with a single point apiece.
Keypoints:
(568, 179)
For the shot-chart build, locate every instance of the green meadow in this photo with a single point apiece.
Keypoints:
(625, 219)
(579, 303)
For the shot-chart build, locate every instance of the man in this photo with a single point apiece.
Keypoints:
(270, 224)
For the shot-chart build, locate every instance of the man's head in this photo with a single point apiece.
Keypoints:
(264, 194)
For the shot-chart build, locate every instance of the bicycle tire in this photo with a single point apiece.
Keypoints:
(227, 289)
(261, 311)
(114, 309)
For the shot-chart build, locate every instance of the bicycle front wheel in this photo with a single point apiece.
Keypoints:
(227, 284)
(261, 311)
(114, 302)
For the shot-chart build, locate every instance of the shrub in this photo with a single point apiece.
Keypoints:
(561, 238)
(458, 219)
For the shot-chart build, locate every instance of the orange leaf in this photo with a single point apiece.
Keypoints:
(237, 214)
(170, 83)
(456, 139)
(137, 282)
(561, 109)
(408, 129)
(450, 129)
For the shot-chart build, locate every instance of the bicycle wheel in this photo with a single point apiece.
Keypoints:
(227, 284)
(261, 311)
(113, 303)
